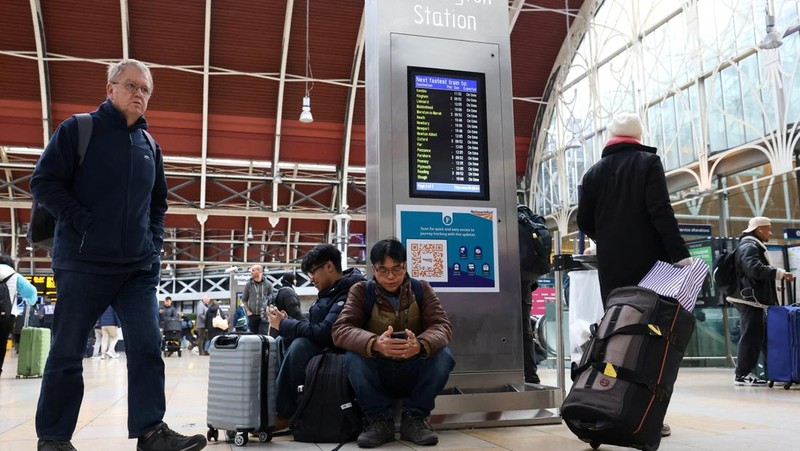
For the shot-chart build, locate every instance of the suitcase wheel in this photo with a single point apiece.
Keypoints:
(212, 433)
(771, 384)
(594, 444)
(241, 439)
(229, 435)
(265, 437)
(787, 385)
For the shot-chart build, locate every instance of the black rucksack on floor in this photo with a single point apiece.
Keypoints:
(326, 411)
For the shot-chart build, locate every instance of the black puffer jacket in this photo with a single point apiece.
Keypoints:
(323, 313)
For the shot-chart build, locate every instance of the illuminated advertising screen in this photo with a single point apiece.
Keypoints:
(447, 134)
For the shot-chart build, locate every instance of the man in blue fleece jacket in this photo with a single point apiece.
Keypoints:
(110, 211)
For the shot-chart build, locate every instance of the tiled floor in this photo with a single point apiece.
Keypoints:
(707, 413)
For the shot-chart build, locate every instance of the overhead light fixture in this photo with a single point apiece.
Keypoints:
(305, 116)
(772, 40)
(168, 268)
(249, 233)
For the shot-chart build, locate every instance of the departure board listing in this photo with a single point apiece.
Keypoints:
(447, 134)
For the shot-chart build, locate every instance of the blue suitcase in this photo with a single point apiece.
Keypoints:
(783, 344)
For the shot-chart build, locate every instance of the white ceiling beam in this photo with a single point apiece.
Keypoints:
(276, 151)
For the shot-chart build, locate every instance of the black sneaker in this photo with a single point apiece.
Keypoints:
(165, 439)
(415, 428)
(55, 445)
(533, 379)
(749, 380)
(376, 432)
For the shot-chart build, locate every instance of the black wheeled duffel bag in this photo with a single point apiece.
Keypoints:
(623, 385)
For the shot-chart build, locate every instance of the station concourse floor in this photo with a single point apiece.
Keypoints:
(706, 413)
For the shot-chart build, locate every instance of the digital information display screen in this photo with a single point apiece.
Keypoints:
(447, 134)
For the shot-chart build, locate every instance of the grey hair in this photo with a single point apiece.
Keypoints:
(116, 69)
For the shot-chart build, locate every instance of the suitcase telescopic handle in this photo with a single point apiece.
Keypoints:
(227, 341)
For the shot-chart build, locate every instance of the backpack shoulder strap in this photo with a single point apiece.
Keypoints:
(85, 126)
(150, 141)
(416, 288)
(369, 299)
(9, 276)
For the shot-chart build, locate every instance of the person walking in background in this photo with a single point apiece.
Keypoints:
(397, 348)
(211, 329)
(255, 293)
(169, 312)
(200, 324)
(301, 339)
(756, 289)
(109, 324)
(109, 205)
(13, 283)
(624, 207)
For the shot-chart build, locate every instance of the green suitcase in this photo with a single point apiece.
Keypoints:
(34, 346)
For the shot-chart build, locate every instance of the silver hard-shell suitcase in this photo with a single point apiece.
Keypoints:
(241, 387)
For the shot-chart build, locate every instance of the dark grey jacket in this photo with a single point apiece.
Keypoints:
(255, 293)
(624, 206)
(756, 277)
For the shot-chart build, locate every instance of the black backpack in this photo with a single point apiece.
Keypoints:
(535, 242)
(725, 273)
(326, 410)
(5, 300)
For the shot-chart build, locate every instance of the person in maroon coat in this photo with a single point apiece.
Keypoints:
(624, 207)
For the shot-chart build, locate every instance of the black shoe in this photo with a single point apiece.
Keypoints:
(533, 379)
(55, 445)
(749, 380)
(665, 430)
(415, 428)
(165, 439)
(376, 432)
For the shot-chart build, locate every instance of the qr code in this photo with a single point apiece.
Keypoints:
(427, 259)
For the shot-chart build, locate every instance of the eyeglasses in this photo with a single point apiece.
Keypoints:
(133, 88)
(396, 271)
(311, 271)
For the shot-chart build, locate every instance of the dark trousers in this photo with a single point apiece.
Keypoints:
(82, 297)
(294, 356)
(202, 336)
(6, 324)
(254, 324)
(528, 357)
(751, 343)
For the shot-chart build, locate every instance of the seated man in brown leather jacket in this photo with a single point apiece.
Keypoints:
(396, 334)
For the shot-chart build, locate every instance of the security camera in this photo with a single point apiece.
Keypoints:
(231, 269)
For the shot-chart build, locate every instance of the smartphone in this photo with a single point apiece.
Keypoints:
(401, 335)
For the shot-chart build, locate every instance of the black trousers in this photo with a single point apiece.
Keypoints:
(751, 343)
(528, 357)
(6, 324)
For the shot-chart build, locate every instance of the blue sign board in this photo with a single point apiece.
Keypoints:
(695, 229)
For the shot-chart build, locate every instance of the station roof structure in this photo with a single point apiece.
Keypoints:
(229, 78)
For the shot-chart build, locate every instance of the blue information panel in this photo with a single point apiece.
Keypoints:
(447, 134)
(453, 248)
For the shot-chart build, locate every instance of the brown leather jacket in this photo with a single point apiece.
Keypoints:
(356, 331)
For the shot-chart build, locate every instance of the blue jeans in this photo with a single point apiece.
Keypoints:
(417, 381)
(294, 356)
(82, 297)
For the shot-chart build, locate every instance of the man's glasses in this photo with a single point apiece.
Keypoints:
(311, 271)
(133, 88)
(396, 271)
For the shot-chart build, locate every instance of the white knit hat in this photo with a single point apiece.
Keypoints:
(627, 125)
(757, 222)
